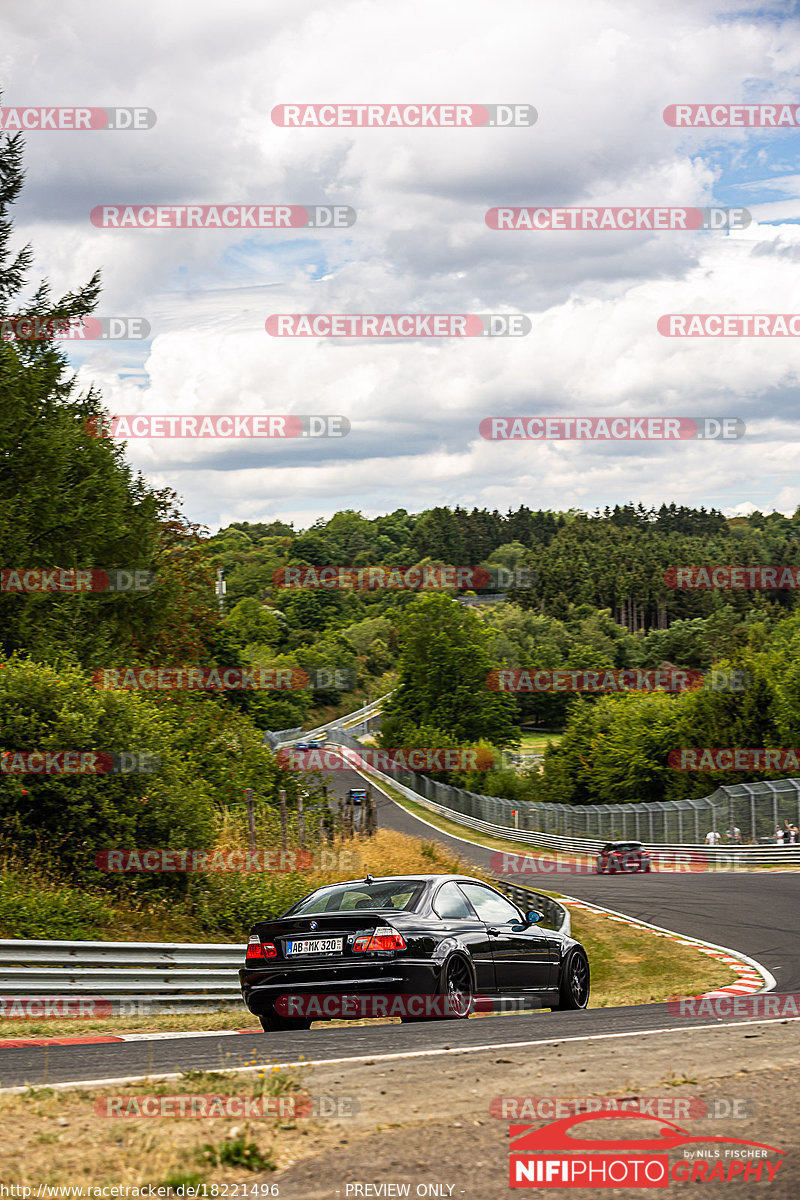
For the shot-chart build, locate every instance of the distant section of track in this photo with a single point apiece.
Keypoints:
(757, 912)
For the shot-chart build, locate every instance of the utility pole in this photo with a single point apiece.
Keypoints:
(251, 818)
(301, 822)
(371, 813)
(282, 799)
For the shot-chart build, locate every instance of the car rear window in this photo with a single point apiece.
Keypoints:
(345, 897)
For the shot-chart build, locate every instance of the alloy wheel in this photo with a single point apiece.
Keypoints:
(458, 988)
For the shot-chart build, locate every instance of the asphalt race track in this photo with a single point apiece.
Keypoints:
(117, 1060)
(756, 913)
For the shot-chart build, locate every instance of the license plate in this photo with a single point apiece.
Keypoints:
(315, 946)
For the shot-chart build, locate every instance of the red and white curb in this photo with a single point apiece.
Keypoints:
(94, 1039)
(751, 977)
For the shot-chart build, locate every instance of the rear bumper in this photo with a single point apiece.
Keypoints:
(262, 985)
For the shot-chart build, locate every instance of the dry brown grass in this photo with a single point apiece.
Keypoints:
(387, 853)
(58, 1138)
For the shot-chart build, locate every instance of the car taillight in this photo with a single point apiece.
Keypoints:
(258, 949)
(385, 938)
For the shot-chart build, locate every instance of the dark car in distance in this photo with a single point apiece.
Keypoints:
(442, 939)
(622, 857)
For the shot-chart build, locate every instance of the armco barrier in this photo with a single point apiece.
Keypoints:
(556, 916)
(279, 736)
(359, 721)
(159, 976)
(676, 852)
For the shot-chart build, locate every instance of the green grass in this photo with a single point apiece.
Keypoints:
(538, 741)
(634, 966)
(33, 907)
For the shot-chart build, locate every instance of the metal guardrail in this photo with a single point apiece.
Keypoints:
(155, 976)
(359, 720)
(275, 737)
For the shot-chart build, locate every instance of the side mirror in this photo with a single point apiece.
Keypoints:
(531, 918)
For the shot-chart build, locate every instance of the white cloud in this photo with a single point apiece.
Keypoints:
(599, 74)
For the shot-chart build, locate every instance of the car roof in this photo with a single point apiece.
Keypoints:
(420, 878)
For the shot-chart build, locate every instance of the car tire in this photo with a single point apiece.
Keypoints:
(455, 982)
(575, 983)
(274, 1024)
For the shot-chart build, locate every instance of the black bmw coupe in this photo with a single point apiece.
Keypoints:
(416, 946)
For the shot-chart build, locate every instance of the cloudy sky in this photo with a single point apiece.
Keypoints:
(599, 75)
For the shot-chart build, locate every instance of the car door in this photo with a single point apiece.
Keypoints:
(459, 920)
(524, 960)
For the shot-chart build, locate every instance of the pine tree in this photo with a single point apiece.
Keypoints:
(67, 497)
